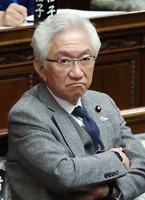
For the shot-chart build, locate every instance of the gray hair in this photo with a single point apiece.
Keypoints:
(53, 25)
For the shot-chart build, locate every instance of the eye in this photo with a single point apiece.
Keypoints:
(64, 61)
(85, 59)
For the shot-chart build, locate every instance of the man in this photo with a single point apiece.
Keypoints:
(12, 14)
(51, 154)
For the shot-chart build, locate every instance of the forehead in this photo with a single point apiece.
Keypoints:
(71, 42)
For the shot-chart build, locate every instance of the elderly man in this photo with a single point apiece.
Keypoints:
(66, 142)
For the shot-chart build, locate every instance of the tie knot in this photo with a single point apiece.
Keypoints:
(79, 112)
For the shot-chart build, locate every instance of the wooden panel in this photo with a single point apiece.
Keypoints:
(135, 119)
(16, 67)
(11, 89)
(120, 24)
(15, 39)
(119, 77)
(143, 73)
(120, 65)
(121, 43)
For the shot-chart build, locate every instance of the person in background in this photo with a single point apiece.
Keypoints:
(65, 141)
(13, 14)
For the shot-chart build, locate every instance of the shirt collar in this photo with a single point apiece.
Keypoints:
(65, 104)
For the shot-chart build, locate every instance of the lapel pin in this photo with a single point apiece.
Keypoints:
(103, 119)
(98, 108)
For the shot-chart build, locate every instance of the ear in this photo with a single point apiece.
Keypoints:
(40, 69)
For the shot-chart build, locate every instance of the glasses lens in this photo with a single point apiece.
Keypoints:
(87, 61)
(64, 61)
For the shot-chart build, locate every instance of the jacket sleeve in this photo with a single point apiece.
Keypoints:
(132, 184)
(40, 150)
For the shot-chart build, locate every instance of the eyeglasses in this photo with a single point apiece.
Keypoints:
(85, 62)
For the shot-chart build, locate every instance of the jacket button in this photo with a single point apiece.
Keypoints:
(116, 172)
(106, 175)
(113, 173)
(109, 174)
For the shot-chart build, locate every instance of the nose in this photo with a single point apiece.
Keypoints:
(76, 72)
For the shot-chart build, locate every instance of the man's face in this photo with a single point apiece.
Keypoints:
(72, 82)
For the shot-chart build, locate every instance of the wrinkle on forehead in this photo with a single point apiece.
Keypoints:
(71, 44)
(70, 54)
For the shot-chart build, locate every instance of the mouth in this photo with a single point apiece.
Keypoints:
(76, 84)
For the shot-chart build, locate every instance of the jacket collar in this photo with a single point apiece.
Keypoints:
(67, 125)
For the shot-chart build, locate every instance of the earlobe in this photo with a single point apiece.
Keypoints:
(38, 65)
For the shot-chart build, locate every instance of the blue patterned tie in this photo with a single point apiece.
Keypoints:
(91, 126)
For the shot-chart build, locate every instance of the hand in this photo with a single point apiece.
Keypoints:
(96, 193)
(79, 196)
(100, 192)
(126, 161)
(14, 15)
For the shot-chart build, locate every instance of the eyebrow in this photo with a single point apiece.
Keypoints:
(66, 53)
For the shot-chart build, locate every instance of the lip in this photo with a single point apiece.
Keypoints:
(76, 83)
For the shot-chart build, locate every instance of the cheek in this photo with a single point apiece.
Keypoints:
(56, 79)
(89, 74)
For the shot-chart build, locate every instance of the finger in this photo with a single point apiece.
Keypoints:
(21, 10)
(18, 17)
(120, 148)
(101, 191)
(15, 8)
(12, 21)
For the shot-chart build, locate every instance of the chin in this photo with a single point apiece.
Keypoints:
(79, 94)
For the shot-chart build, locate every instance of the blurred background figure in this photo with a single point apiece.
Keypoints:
(13, 13)
(117, 5)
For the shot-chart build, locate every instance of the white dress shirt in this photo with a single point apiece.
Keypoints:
(68, 107)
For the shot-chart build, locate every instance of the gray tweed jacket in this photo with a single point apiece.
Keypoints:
(50, 154)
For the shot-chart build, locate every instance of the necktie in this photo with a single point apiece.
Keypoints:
(91, 126)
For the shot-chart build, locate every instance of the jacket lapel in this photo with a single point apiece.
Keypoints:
(64, 121)
(69, 133)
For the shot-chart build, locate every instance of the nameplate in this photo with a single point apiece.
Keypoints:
(43, 9)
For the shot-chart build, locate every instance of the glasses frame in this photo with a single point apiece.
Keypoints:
(71, 59)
